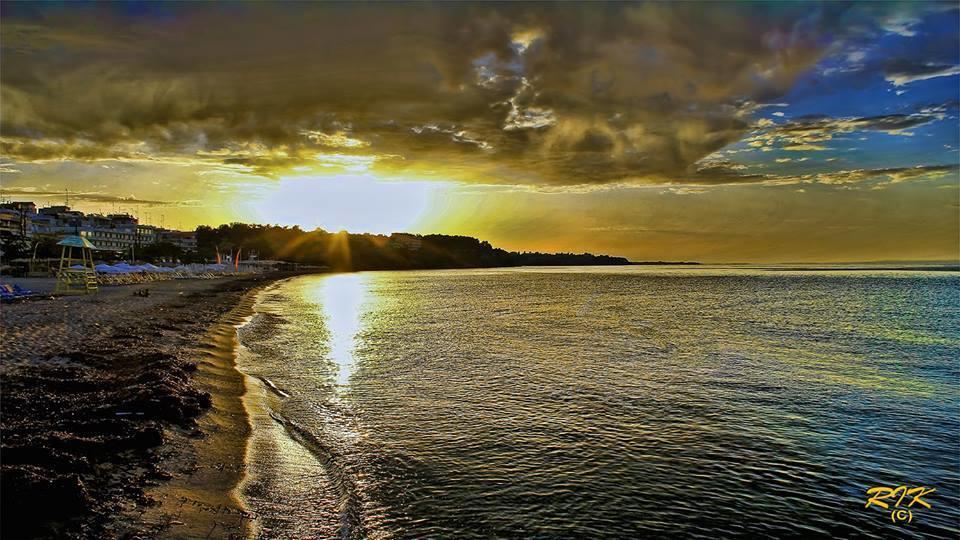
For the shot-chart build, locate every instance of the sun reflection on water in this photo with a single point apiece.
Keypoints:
(342, 299)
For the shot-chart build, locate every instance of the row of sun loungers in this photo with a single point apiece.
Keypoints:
(128, 279)
(149, 277)
(124, 274)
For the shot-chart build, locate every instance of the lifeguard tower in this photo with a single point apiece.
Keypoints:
(72, 280)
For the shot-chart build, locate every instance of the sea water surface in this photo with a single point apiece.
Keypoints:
(612, 402)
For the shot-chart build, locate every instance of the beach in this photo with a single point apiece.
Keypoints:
(109, 400)
(535, 402)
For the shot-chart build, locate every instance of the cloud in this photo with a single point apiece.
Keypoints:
(542, 94)
(339, 139)
(731, 173)
(901, 23)
(804, 133)
(903, 19)
(893, 175)
(84, 196)
(921, 72)
(805, 147)
(35, 150)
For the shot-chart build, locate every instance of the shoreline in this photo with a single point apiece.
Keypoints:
(121, 412)
(203, 499)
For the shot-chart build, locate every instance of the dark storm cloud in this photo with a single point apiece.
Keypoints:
(553, 94)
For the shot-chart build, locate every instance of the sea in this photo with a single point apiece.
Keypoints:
(605, 402)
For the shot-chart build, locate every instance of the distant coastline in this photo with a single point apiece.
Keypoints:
(905, 266)
(665, 263)
(862, 267)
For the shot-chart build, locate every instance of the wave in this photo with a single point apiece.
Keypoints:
(273, 387)
(349, 502)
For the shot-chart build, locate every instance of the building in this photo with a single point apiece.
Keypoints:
(185, 240)
(16, 227)
(147, 234)
(54, 210)
(57, 221)
(26, 207)
(15, 223)
(43, 224)
(114, 232)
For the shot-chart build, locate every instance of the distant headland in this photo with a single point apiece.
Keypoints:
(362, 251)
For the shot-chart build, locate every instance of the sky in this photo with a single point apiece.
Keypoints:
(714, 132)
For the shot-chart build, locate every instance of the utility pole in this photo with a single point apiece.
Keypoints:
(23, 223)
(136, 234)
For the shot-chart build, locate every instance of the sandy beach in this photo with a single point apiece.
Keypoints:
(122, 415)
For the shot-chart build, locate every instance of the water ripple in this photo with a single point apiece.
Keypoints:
(617, 403)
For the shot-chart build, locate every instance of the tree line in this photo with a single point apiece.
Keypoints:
(348, 251)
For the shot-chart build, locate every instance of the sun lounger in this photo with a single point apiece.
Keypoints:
(15, 292)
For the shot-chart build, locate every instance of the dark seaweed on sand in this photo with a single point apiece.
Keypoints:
(82, 429)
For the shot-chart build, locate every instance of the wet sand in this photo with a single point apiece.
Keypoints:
(200, 501)
(122, 415)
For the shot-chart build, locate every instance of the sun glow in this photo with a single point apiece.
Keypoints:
(343, 297)
(352, 202)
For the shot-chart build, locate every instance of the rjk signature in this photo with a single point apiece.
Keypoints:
(880, 496)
